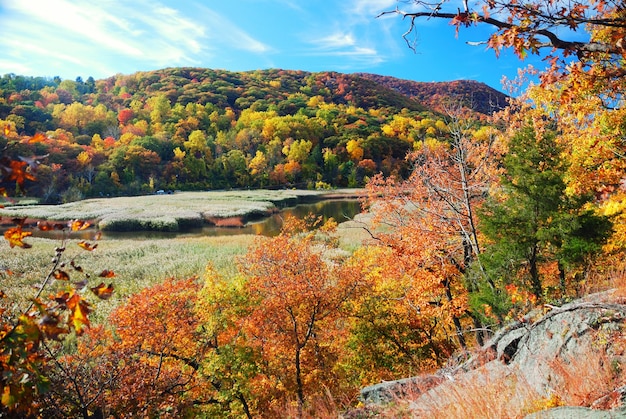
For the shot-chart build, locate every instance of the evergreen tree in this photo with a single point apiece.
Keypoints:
(530, 219)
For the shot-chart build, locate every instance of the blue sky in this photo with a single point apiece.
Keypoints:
(101, 38)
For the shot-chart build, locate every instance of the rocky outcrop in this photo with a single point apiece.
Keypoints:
(544, 353)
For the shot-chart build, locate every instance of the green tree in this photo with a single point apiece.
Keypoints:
(531, 220)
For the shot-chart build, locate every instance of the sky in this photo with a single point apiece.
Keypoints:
(102, 38)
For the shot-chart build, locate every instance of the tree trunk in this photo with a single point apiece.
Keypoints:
(299, 386)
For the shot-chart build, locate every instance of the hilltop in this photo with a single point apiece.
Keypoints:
(472, 94)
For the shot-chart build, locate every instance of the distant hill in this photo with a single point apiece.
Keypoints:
(239, 90)
(198, 128)
(472, 94)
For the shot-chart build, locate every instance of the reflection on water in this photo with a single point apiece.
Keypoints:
(341, 210)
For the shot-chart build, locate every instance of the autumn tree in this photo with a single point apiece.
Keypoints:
(296, 294)
(27, 332)
(533, 26)
(437, 208)
(146, 362)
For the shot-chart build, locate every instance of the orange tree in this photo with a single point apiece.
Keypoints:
(27, 333)
(145, 363)
(296, 292)
(431, 220)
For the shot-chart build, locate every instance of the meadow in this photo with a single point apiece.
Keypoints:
(140, 263)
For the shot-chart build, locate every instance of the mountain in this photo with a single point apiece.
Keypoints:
(197, 128)
(239, 90)
(472, 94)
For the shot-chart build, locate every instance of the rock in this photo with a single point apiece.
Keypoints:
(571, 412)
(534, 354)
(388, 391)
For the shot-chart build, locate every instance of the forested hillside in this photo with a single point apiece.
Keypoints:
(194, 129)
(472, 94)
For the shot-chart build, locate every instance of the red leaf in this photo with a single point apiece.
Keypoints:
(107, 274)
(46, 226)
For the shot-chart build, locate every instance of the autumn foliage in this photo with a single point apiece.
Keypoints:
(471, 220)
(27, 334)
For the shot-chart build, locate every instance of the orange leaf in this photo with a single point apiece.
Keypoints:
(78, 225)
(107, 274)
(7, 129)
(18, 172)
(87, 246)
(61, 275)
(79, 310)
(103, 291)
(37, 138)
(15, 237)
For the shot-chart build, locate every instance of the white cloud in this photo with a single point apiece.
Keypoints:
(221, 30)
(368, 9)
(109, 33)
(335, 40)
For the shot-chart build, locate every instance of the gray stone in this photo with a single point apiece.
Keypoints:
(569, 412)
(527, 351)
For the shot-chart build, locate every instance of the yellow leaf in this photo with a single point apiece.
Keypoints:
(79, 310)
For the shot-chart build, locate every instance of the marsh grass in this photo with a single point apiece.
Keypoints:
(166, 212)
(137, 264)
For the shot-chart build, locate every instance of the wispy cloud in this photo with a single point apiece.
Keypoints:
(356, 35)
(109, 32)
(222, 30)
(347, 46)
(367, 9)
(335, 40)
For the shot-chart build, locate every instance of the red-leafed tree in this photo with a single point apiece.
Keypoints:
(431, 219)
(125, 115)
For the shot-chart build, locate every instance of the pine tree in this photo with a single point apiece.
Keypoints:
(531, 220)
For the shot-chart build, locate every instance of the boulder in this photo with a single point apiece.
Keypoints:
(532, 356)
